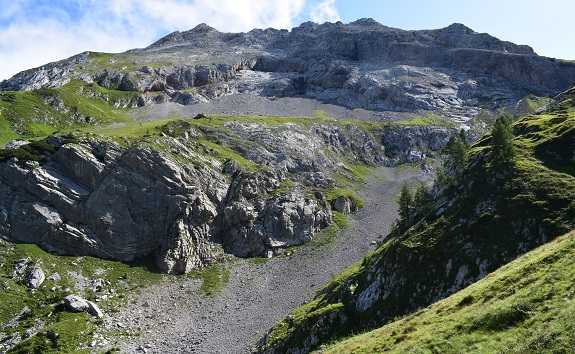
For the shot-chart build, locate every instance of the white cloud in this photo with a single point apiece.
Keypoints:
(11, 8)
(33, 37)
(324, 11)
(225, 15)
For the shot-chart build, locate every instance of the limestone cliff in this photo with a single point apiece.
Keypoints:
(362, 64)
(173, 195)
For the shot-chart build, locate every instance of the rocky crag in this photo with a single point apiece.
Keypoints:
(364, 64)
(180, 198)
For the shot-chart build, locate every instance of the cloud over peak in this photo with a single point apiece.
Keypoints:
(35, 33)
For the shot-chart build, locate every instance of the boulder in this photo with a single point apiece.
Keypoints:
(78, 304)
(342, 204)
(35, 277)
(75, 303)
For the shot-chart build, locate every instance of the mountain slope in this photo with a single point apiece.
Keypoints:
(525, 306)
(486, 216)
(454, 70)
(189, 189)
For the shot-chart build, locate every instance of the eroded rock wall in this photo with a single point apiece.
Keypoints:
(170, 197)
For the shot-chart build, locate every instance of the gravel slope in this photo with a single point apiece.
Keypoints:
(249, 104)
(173, 318)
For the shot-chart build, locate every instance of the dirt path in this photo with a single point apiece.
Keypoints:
(174, 318)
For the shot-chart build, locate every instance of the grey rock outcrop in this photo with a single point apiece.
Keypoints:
(343, 204)
(78, 304)
(363, 64)
(178, 201)
(35, 277)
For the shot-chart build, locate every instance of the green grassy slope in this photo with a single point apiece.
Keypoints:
(526, 306)
(485, 216)
(37, 319)
(39, 113)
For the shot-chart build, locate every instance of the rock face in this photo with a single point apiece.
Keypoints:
(362, 64)
(173, 197)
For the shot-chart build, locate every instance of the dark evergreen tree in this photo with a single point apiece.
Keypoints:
(463, 137)
(456, 150)
(422, 197)
(405, 202)
(502, 140)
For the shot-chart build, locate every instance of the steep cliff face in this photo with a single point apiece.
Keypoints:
(176, 194)
(484, 218)
(358, 65)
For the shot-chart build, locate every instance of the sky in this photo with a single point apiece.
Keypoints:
(36, 32)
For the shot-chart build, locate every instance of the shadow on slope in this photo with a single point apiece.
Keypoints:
(483, 218)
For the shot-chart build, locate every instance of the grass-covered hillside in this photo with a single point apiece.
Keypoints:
(525, 306)
(485, 213)
(36, 320)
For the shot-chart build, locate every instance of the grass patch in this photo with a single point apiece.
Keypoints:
(93, 101)
(34, 151)
(215, 279)
(428, 120)
(321, 114)
(531, 313)
(6, 132)
(22, 309)
(326, 236)
(131, 130)
(333, 194)
(26, 114)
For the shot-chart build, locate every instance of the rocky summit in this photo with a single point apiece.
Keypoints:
(363, 64)
(286, 146)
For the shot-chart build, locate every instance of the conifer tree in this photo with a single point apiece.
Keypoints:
(502, 140)
(422, 197)
(456, 149)
(405, 202)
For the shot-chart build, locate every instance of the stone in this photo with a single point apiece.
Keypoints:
(75, 303)
(342, 204)
(55, 277)
(94, 310)
(78, 304)
(35, 278)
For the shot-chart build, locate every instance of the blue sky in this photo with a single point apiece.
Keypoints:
(35, 32)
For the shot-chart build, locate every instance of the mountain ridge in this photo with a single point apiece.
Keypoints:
(207, 146)
(364, 64)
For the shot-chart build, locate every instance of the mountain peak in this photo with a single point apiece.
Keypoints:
(202, 28)
(459, 28)
(366, 22)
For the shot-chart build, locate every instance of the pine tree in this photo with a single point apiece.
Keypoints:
(422, 197)
(456, 150)
(405, 202)
(502, 140)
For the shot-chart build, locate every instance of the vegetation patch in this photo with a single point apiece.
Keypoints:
(528, 315)
(332, 194)
(215, 278)
(34, 151)
(37, 320)
(430, 119)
